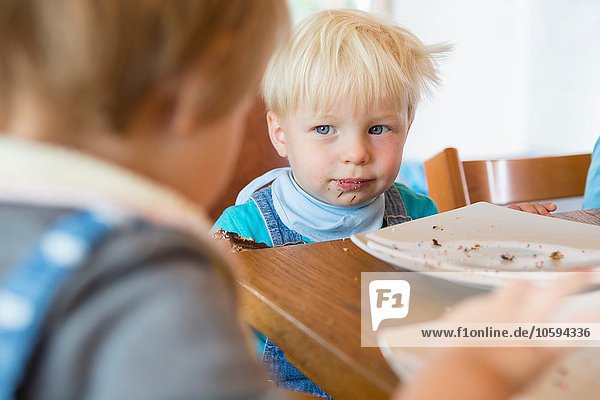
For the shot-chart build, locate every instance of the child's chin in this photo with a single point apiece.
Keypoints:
(350, 201)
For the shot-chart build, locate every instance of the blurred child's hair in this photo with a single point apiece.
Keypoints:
(95, 60)
(335, 55)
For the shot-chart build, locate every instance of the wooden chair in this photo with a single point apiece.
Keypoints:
(454, 183)
(257, 156)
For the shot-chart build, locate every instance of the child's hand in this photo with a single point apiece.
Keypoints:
(535, 208)
(496, 372)
(519, 302)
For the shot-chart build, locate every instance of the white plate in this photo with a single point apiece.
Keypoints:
(486, 245)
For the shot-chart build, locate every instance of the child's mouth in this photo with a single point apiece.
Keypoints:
(353, 184)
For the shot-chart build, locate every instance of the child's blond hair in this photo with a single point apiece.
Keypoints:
(349, 54)
(97, 61)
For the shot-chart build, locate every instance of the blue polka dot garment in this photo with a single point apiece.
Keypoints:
(29, 287)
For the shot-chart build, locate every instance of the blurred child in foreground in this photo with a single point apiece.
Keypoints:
(120, 117)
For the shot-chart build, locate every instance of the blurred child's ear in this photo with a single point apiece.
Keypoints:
(276, 133)
(159, 113)
(183, 118)
(171, 108)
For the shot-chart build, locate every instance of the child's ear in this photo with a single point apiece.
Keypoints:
(167, 110)
(276, 133)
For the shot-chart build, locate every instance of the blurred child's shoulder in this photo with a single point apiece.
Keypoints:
(245, 220)
(417, 205)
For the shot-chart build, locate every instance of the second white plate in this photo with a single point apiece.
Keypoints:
(486, 245)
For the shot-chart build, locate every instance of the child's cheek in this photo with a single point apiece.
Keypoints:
(390, 161)
(392, 147)
(317, 158)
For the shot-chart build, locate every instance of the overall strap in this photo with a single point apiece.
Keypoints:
(30, 286)
(395, 211)
(280, 234)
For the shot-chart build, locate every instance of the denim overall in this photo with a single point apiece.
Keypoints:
(30, 286)
(286, 375)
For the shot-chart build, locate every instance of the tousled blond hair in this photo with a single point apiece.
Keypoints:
(97, 59)
(336, 55)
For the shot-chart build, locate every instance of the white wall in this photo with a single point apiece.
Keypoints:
(564, 76)
(523, 79)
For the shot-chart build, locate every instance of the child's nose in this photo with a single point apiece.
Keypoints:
(355, 150)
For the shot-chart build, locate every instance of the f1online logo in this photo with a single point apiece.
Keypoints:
(389, 299)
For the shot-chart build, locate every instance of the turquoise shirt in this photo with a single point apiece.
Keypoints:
(246, 220)
(591, 198)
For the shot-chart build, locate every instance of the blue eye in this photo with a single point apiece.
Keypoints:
(378, 129)
(324, 129)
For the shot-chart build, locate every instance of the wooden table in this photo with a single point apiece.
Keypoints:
(307, 299)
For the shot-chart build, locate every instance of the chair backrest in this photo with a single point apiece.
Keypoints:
(257, 156)
(454, 183)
